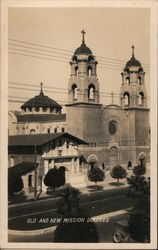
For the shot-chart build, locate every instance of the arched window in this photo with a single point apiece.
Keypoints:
(91, 92)
(30, 109)
(76, 70)
(74, 91)
(139, 80)
(48, 130)
(127, 80)
(126, 99)
(55, 130)
(89, 71)
(37, 109)
(12, 161)
(32, 131)
(141, 99)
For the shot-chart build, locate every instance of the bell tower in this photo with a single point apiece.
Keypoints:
(83, 84)
(133, 91)
(83, 111)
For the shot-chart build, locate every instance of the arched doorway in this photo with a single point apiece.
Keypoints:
(92, 161)
(113, 157)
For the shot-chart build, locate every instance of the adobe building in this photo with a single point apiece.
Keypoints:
(47, 151)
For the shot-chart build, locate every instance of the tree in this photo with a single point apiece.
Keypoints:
(76, 231)
(139, 170)
(118, 172)
(96, 174)
(139, 220)
(55, 177)
(15, 184)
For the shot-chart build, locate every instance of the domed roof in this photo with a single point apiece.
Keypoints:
(133, 62)
(83, 49)
(41, 100)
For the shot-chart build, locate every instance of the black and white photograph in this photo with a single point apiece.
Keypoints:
(80, 149)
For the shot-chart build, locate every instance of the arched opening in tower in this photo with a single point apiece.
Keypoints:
(91, 92)
(74, 91)
(141, 99)
(126, 99)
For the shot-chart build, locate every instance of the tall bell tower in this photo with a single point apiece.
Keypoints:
(83, 112)
(133, 91)
(83, 83)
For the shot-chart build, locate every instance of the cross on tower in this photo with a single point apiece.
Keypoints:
(83, 33)
(133, 50)
(41, 88)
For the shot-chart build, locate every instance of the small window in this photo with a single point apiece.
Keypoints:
(44, 109)
(37, 109)
(32, 131)
(30, 109)
(62, 130)
(48, 130)
(67, 144)
(55, 130)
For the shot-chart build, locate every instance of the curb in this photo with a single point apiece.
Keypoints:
(51, 229)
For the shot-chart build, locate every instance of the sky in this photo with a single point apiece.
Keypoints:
(110, 33)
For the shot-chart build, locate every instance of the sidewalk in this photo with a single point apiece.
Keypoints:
(108, 184)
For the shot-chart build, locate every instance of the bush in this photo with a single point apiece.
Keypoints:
(96, 174)
(139, 170)
(15, 184)
(55, 177)
(118, 172)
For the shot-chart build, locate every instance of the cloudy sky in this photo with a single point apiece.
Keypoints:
(42, 41)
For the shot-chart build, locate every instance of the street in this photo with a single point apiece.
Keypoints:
(38, 215)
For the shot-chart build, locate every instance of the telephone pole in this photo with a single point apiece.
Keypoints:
(35, 176)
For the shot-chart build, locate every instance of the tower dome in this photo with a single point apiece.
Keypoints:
(133, 62)
(83, 49)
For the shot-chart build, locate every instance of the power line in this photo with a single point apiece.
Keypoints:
(114, 65)
(44, 46)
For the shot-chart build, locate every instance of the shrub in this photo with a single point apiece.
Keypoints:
(55, 177)
(118, 172)
(96, 174)
(139, 170)
(15, 184)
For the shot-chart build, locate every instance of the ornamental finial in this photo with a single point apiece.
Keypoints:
(133, 50)
(83, 33)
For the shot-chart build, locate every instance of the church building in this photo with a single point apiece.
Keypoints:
(114, 134)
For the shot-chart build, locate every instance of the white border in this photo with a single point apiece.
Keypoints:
(4, 116)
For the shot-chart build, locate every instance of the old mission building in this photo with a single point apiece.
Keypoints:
(90, 133)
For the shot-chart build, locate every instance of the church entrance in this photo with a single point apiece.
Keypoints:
(113, 157)
(92, 161)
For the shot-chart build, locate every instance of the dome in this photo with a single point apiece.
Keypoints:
(83, 49)
(41, 100)
(133, 63)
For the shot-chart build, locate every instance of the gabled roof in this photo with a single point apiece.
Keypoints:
(41, 117)
(39, 139)
(22, 168)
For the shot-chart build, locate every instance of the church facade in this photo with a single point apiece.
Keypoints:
(116, 134)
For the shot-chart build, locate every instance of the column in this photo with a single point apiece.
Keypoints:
(72, 165)
(52, 163)
(46, 168)
(78, 165)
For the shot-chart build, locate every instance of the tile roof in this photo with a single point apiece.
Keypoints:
(38, 139)
(22, 168)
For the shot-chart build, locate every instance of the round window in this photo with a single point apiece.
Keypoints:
(112, 128)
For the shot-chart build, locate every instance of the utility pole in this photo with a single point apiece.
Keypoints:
(35, 176)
